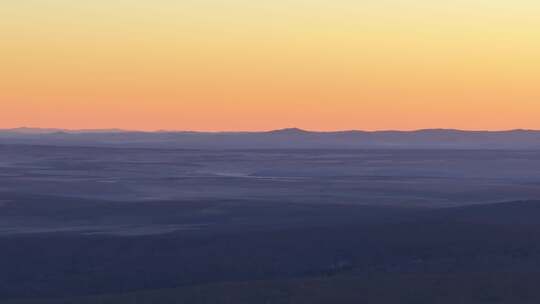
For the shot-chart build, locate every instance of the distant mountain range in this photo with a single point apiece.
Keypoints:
(291, 138)
(25, 130)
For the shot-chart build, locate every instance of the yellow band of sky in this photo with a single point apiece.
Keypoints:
(255, 65)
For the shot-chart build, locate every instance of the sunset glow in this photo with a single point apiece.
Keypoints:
(257, 65)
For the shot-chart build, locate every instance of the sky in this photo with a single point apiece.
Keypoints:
(221, 65)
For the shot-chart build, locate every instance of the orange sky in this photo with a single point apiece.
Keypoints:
(257, 65)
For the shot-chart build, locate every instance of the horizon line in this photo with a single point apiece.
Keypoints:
(292, 129)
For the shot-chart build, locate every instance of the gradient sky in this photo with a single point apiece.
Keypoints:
(256, 65)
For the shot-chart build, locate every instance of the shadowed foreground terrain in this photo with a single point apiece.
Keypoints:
(122, 225)
(405, 288)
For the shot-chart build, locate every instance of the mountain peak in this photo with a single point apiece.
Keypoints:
(289, 131)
